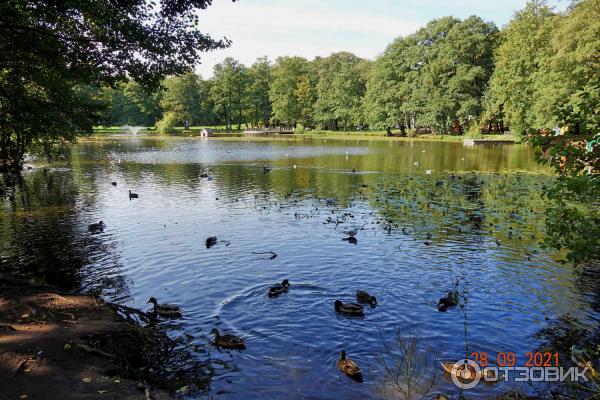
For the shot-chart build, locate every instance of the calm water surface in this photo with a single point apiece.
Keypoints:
(427, 215)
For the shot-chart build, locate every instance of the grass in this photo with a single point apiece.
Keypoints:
(358, 135)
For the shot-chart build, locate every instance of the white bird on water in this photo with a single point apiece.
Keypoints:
(428, 172)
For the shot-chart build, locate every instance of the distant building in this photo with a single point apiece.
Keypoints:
(206, 132)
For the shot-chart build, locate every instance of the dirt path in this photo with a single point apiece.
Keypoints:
(45, 339)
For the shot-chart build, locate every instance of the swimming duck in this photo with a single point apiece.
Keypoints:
(450, 300)
(96, 227)
(349, 367)
(133, 195)
(279, 288)
(468, 373)
(352, 232)
(113, 183)
(211, 241)
(351, 240)
(227, 341)
(165, 310)
(348, 308)
(364, 297)
(266, 168)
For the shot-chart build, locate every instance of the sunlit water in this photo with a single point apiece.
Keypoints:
(427, 215)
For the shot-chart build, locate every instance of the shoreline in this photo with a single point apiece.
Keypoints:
(379, 136)
(73, 346)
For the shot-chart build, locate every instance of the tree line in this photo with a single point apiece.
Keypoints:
(450, 76)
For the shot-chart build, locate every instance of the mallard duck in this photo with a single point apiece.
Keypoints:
(133, 195)
(165, 310)
(96, 227)
(348, 308)
(364, 297)
(279, 288)
(467, 372)
(463, 371)
(211, 241)
(227, 341)
(349, 367)
(450, 300)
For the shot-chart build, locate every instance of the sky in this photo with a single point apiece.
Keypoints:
(311, 28)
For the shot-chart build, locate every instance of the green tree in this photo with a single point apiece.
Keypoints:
(147, 105)
(258, 104)
(228, 91)
(181, 100)
(524, 43)
(340, 91)
(286, 75)
(567, 95)
(50, 50)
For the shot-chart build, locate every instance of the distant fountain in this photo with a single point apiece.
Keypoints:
(133, 129)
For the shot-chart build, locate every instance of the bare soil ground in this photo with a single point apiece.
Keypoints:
(54, 346)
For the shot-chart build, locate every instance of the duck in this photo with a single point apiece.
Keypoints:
(348, 308)
(266, 168)
(352, 232)
(351, 240)
(211, 241)
(96, 227)
(450, 300)
(279, 288)
(468, 373)
(113, 183)
(349, 367)
(133, 195)
(364, 297)
(165, 310)
(227, 341)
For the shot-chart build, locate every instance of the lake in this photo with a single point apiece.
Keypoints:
(428, 215)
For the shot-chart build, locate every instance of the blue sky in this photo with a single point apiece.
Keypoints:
(312, 28)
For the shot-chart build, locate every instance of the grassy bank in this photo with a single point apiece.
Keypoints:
(101, 133)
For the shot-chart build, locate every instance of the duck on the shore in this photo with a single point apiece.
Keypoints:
(279, 288)
(349, 367)
(227, 341)
(364, 297)
(450, 300)
(348, 308)
(165, 310)
(96, 227)
(133, 195)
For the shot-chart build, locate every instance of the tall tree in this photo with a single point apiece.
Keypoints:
(181, 101)
(524, 43)
(340, 89)
(49, 48)
(285, 76)
(228, 91)
(258, 104)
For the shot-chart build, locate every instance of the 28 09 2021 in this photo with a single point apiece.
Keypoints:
(511, 359)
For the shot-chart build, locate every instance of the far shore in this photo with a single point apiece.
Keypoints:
(112, 134)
